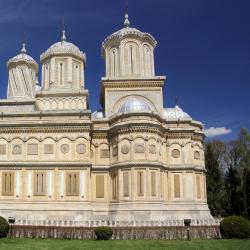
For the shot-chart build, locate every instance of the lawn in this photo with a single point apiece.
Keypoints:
(49, 244)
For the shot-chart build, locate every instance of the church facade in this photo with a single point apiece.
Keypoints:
(132, 163)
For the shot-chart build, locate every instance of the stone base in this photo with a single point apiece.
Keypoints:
(124, 233)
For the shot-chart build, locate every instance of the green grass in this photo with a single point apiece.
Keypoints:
(49, 244)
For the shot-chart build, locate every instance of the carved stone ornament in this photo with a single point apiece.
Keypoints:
(125, 149)
(139, 148)
(2, 149)
(48, 148)
(17, 149)
(152, 149)
(104, 153)
(81, 148)
(64, 148)
(32, 149)
(176, 153)
(197, 155)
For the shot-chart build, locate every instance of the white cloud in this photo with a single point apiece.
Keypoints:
(212, 131)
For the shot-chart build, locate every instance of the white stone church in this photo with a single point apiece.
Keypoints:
(132, 163)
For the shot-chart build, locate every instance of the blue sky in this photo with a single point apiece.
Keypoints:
(203, 48)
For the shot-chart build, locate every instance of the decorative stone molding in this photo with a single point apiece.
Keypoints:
(125, 149)
(197, 155)
(152, 149)
(104, 153)
(2, 149)
(32, 149)
(176, 153)
(64, 148)
(139, 148)
(81, 148)
(17, 149)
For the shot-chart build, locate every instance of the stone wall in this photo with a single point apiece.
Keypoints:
(130, 233)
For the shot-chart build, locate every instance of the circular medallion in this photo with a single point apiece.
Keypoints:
(64, 148)
(81, 148)
(152, 149)
(125, 149)
(176, 153)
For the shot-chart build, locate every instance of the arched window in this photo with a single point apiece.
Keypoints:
(147, 60)
(132, 59)
(113, 63)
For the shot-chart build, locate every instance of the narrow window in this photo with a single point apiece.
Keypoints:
(153, 183)
(100, 186)
(40, 184)
(177, 193)
(131, 60)
(8, 183)
(198, 186)
(126, 184)
(72, 184)
(140, 184)
(61, 74)
(115, 186)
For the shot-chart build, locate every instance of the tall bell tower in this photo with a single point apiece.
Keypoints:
(130, 74)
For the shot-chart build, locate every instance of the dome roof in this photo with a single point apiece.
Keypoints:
(63, 48)
(127, 31)
(175, 113)
(134, 104)
(23, 57)
(97, 114)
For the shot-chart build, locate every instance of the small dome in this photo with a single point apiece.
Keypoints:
(175, 113)
(128, 31)
(63, 48)
(97, 114)
(23, 57)
(134, 104)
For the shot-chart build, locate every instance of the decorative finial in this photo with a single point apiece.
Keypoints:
(23, 50)
(126, 21)
(63, 38)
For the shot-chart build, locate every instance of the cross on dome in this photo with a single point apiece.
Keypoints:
(63, 37)
(126, 21)
(23, 50)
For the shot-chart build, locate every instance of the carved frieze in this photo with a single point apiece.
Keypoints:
(197, 155)
(2, 149)
(104, 153)
(17, 149)
(32, 149)
(152, 149)
(139, 148)
(125, 148)
(48, 149)
(64, 148)
(176, 153)
(81, 148)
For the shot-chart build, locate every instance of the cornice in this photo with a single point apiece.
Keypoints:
(45, 129)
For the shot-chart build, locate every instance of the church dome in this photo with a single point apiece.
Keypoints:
(63, 48)
(175, 113)
(23, 57)
(134, 104)
(128, 31)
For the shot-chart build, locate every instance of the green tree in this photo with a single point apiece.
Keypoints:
(215, 191)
